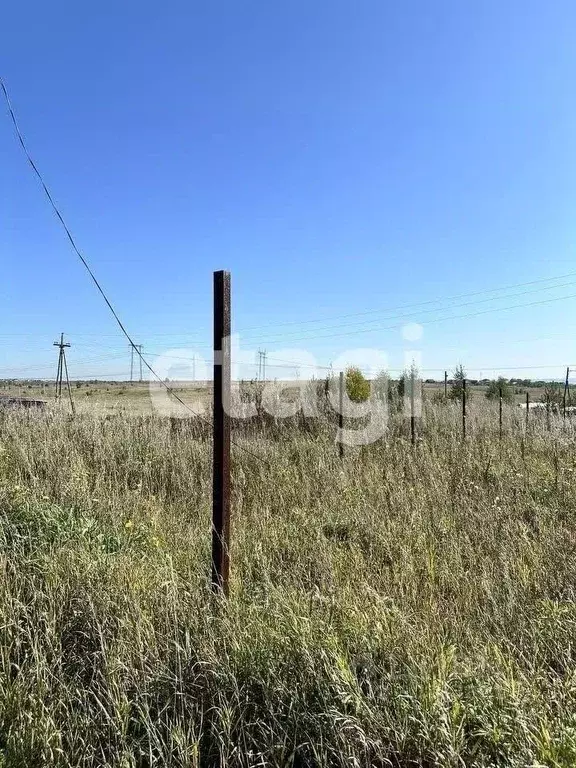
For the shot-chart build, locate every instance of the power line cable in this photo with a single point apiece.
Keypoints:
(433, 320)
(93, 276)
(419, 313)
(423, 303)
(43, 366)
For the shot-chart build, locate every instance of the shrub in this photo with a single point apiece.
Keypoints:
(500, 385)
(457, 387)
(553, 394)
(357, 385)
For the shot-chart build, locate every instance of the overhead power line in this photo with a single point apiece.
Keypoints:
(391, 312)
(433, 320)
(73, 243)
(419, 313)
(440, 300)
(143, 360)
(93, 276)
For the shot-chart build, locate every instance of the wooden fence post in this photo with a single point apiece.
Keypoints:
(221, 432)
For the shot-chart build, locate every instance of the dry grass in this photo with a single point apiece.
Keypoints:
(409, 607)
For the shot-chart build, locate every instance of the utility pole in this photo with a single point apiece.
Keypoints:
(63, 369)
(59, 369)
(261, 365)
(138, 348)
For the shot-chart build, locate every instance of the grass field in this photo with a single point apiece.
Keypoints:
(124, 397)
(409, 606)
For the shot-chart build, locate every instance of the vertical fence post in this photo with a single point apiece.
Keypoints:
(341, 414)
(527, 409)
(500, 412)
(412, 415)
(464, 408)
(221, 431)
(445, 385)
(566, 385)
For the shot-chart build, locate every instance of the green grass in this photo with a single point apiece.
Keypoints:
(407, 607)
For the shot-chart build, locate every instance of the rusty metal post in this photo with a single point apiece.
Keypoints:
(221, 427)
(412, 416)
(500, 411)
(527, 409)
(341, 414)
(464, 408)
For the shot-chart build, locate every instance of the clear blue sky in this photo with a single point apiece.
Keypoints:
(337, 157)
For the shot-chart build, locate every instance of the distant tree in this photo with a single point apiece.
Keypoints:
(457, 387)
(500, 385)
(553, 394)
(381, 386)
(357, 385)
(401, 386)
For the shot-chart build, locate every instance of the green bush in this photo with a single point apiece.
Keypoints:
(357, 385)
(500, 386)
(457, 387)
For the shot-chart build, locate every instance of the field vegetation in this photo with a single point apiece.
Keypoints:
(409, 605)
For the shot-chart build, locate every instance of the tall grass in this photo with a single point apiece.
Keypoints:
(409, 606)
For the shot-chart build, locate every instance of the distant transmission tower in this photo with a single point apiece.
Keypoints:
(261, 365)
(132, 348)
(63, 369)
